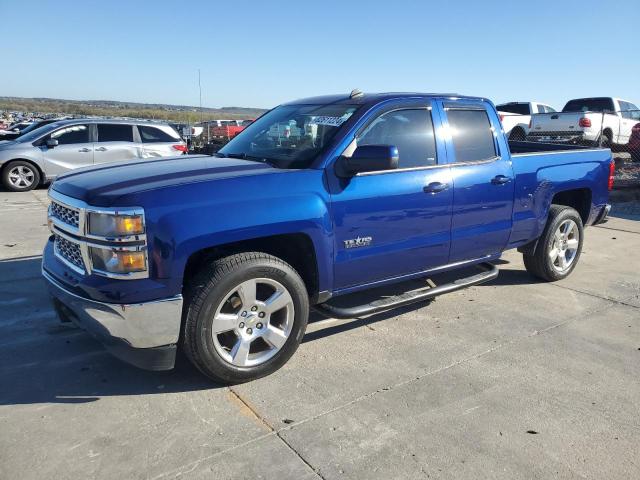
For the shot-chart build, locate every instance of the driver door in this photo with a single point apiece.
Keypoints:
(74, 149)
(393, 223)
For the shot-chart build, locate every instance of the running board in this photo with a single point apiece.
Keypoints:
(490, 272)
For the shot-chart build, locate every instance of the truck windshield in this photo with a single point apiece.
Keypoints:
(589, 105)
(289, 136)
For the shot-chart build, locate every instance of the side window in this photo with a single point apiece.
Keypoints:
(629, 110)
(540, 109)
(549, 109)
(112, 132)
(154, 135)
(72, 134)
(411, 131)
(472, 135)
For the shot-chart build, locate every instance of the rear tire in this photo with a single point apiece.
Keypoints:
(605, 140)
(20, 176)
(559, 247)
(245, 317)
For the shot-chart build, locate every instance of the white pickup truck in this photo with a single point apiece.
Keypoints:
(604, 121)
(516, 117)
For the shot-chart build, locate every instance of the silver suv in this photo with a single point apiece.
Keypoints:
(46, 152)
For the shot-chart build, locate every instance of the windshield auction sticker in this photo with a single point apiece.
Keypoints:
(329, 121)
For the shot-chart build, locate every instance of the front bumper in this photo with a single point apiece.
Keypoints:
(144, 334)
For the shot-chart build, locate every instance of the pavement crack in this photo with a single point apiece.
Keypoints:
(595, 295)
(316, 471)
(254, 412)
(617, 229)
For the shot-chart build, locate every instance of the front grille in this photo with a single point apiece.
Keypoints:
(69, 251)
(65, 214)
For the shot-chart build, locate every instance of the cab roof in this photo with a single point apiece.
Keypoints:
(374, 98)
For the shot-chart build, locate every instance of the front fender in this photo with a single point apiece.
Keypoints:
(187, 219)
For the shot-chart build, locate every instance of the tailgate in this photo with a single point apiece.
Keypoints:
(556, 122)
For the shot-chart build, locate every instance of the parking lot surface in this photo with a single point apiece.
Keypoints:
(511, 379)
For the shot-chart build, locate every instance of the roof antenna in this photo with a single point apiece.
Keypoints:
(356, 93)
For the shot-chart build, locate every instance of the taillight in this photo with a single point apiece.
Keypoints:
(530, 123)
(180, 147)
(501, 117)
(585, 122)
(612, 174)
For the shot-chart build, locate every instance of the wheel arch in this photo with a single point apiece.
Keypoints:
(297, 249)
(578, 198)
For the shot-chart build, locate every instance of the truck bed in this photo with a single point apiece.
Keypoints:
(521, 147)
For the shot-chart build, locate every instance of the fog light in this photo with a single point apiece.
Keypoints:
(118, 261)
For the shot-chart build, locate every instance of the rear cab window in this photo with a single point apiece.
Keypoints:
(590, 105)
(472, 134)
(515, 108)
(110, 132)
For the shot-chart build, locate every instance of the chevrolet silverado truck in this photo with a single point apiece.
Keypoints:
(603, 121)
(224, 255)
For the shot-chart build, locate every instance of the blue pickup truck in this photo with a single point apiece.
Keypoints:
(224, 255)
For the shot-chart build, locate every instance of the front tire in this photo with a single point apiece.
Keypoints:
(559, 247)
(246, 315)
(20, 176)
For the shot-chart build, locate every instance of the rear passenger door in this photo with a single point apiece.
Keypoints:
(115, 143)
(483, 185)
(159, 141)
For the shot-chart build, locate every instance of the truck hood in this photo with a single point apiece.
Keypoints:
(102, 186)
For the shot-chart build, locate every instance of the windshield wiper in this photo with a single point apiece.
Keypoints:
(251, 158)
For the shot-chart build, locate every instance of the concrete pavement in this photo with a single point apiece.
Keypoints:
(512, 379)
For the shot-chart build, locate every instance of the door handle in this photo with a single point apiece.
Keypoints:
(84, 150)
(435, 187)
(100, 149)
(500, 180)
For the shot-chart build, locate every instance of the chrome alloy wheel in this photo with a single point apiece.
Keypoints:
(253, 322)
(21, 176)
(565, 246)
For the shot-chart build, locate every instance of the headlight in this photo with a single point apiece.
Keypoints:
(118, 261)
(110, 225)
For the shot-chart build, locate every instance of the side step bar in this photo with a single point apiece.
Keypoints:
(489, 272)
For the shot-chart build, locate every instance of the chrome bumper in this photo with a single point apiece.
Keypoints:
(143, 334)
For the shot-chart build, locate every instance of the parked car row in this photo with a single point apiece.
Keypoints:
(604, 121)
(50, 150)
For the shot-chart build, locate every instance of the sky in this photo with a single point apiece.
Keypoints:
(259, 54)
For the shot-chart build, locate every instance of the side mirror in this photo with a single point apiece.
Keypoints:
(52, 142)
(368, 158)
